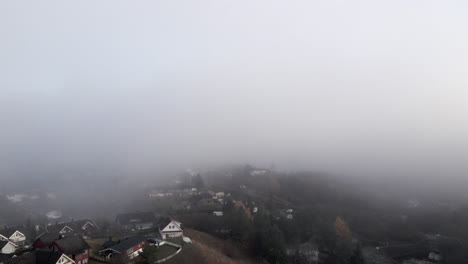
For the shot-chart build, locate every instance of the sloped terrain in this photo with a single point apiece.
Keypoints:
(208, 249)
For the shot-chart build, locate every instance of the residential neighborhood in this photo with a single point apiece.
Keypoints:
(196, 216)
(67, 243)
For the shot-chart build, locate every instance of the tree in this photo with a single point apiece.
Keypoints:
(268, 241)
(197, 181)
(343, 247)
(239, 224)
(342, 230)
(357, 257)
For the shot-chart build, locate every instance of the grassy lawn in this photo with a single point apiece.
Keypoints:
(177, 240)
(90, 261)
(165, 251)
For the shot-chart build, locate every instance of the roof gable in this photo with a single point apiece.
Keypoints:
(75, 225)
(64, 259)
(41, 257)
(66, 229)
(172, 226)
(3, 244)
(16, 234)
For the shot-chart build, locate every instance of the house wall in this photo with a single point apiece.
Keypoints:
(172, 230)
(135, 251)
(168, 235)
(39, 244)
(8, 249)
(82, 258)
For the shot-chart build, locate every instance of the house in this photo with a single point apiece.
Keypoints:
(156, 193)
(41, 257)
(83, 227)
(75, 247)
(218, 213)
(308, 252)
(258, 172)
(135, 221)
(54, 215)
(435, 256)
(218, 195)
(169, 228)
(17, 235)
(86, 226)
(129, 247)
(46, 239)
(7, 247)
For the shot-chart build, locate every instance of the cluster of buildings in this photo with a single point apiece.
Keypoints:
(166, 227)
(56, 244)
(66, 243)
(176, 192)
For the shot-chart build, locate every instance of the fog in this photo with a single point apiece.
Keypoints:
(355, 88)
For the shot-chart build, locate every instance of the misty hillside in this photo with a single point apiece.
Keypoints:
(214, 131)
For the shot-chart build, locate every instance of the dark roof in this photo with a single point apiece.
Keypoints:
(109, 244)
(163, 222)
(134, 218)
(36, 257)
(127, 243)
(58, 227)
(49, 257)
(7, 232)
(72, 245)
(75, 225)
(49, 237)
(4, 257)
(27, 258)
(82, 222)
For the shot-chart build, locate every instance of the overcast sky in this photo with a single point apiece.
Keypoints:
(372, 87)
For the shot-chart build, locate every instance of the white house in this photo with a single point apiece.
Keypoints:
(169, 228)
(436, 256)
(218, 213)
(13, 235)
(83, 227)
(258, 172)
(7, 247)
(219, 194)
